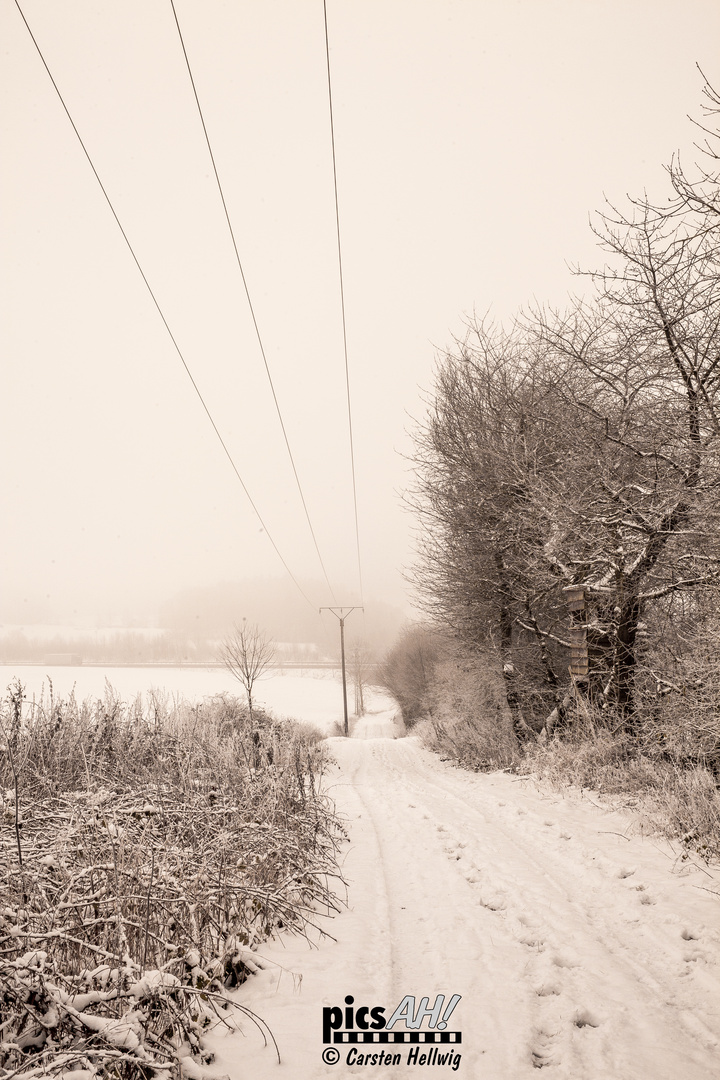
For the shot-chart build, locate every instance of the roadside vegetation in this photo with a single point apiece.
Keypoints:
(567, 490)
(148, 849)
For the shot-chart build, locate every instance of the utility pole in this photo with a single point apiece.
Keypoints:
(338, 613)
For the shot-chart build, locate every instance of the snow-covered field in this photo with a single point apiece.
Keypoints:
(314, 696)
(577, 945)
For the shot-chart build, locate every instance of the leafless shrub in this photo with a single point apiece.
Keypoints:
(679, 685)
(469, 720)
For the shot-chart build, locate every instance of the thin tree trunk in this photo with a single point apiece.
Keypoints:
(625, 662)
(522, 731)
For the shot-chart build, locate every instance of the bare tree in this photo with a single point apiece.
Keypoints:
(701, 190)
(646, 528)
(408, 668)
(360, 666)
(247, 653)
(491, 461)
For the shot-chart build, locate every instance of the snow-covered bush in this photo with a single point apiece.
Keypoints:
(146, 851)
(468, 718)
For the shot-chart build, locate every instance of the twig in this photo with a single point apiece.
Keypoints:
(147, 913)
(713, 892)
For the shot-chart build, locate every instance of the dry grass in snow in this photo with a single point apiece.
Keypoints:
(146, 851)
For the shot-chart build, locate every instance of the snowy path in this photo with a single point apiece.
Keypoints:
(576, 950)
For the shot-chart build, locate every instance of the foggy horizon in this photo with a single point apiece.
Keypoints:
(188, 625)
(473, 141)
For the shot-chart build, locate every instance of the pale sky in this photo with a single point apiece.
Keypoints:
(473, 138)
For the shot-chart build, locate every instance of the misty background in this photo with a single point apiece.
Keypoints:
(473, 140)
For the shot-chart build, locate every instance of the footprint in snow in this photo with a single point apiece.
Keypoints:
(564, 960)
(532, 942)
(626, 872)
(542, 1051)
(493, 902)
(689, 935)
(584, 1018)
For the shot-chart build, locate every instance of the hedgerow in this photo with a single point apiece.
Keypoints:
(147, 850)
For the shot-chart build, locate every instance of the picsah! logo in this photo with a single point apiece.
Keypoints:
(367, 1026)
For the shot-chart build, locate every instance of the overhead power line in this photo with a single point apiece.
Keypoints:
(250, 303)
(342, 305)
(159, 309)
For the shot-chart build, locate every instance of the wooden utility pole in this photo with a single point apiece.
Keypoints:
(338, 612)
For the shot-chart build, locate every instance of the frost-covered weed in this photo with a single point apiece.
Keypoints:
(681, 802)
(659, 773)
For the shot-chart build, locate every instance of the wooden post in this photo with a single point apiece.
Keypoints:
(577, 610)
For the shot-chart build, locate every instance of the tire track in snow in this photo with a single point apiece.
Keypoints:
(383, 935)
(564, 924)
(444, 943)
(477, 885)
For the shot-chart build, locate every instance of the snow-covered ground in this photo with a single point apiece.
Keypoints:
(577, 946)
